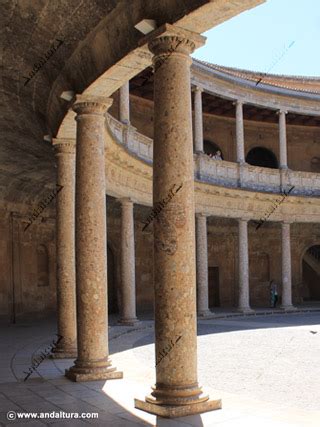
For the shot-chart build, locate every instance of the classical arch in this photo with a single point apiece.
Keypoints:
(261, 156)
(311, 273)
(210, 147)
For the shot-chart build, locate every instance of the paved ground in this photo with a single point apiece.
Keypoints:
(265, 368)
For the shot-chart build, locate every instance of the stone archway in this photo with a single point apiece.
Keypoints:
(311, 274)
(261, 156)
(113, 306)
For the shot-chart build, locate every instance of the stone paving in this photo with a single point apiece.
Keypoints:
(265, 368)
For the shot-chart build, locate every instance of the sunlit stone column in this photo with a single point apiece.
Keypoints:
(244, 304)
(202, 265)
(65, 150)
(240, 132)
(93, 362)
(124, 103)
(128, 281)
(198, 120)
(283, 139)
(286, 267)
(177, 392)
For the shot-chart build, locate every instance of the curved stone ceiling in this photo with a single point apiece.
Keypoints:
(95, 35)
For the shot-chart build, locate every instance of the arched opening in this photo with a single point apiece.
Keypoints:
(211, 148)
(260, 156)
(112, 289)
(311, 274)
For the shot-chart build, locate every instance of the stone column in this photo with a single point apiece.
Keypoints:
(128, 280)
(240, 132)
(65, 150)
(283, 139)
(176, 392)
(124, 104)
(244, 304)
(202, 265)
(93, 362)
(198, 122)
(286, 267)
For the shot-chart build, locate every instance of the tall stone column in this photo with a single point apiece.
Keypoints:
(65, 150)
(202, 265)
(124, 103)
(286, 267)
(128, 280)
(283, 139)
(176, 392)
(240, 132)
(198, 120)
(244, 304)
(93, 361)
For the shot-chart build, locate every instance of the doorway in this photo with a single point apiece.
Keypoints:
(311, 274)
(214, 287)
(112, 289)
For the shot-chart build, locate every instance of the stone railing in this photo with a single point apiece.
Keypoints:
(220, 172)
(135, 142)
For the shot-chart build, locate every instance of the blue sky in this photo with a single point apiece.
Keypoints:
(278, 37)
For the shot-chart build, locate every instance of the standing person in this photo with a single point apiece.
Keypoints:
(274, 293)
(218, 155)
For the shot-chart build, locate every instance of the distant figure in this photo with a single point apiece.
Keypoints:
(210, 155)
(218, 156)
(274, 293)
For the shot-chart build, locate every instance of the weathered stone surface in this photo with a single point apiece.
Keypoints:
(91, 249)
(66, 274)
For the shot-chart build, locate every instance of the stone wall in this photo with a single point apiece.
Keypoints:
(27, 267)
(34, 276)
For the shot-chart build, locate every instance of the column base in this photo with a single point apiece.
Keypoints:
(170, 411)
(129, 322)
(65, 351)
(64, 354)
(288, 308)
(245, 310)
(94, 371)
(205, 313)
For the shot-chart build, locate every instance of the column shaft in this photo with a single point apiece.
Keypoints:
(124, 103)
(244, 304)
(198, 120)
(202, 265)
(65, 251)
(240, 133)
(128, 286)
(176, 391)
(91, 249)
(286, 267)
(283, 140)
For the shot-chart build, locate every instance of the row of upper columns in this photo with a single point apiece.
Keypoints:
(82, 248)
(124, 116)
(243, 266)
(198, 129)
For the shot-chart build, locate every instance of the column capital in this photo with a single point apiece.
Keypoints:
(91, 104)
(282, 111)
(244, 220)
(238, 102)
(286, 222)
(201, 215)
(197, 89)
(126, 201)
(64, 145)
(169, 39)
